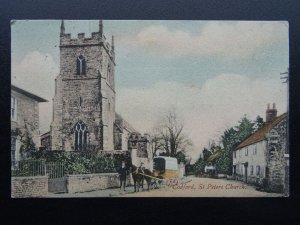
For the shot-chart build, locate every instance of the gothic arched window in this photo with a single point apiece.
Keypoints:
(81, 136)
(81, 65)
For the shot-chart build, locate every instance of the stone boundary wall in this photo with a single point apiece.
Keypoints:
(92, 182)
(27, 187)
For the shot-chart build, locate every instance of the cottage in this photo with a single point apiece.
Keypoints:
(263, 158)
(24, 119)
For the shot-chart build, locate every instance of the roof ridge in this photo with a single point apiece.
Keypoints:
(260, 133)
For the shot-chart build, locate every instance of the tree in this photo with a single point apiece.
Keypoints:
(258, 123)
(156, 141)
(231, 138)
(181, 157)
(206, 153)
(245, 128)
(28, 147)
(199, 166)
(172, 136)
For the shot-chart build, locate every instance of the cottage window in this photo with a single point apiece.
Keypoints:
(246, 151)
(13, 145)
(257, 170)
(81, 65)
(80, 136)
(13, 109)
(234, 154)
(251, 170)
(254, 149)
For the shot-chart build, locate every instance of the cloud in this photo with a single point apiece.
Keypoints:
(36, 73)
(223, 39)
(207, 110)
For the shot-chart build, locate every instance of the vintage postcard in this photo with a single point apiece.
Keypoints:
(143, 108)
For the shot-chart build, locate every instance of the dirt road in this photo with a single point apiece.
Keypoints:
(204, 187)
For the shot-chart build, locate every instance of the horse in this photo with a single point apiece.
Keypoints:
(148, 178)
(138, 177)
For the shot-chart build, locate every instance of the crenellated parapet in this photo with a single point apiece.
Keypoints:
(96, 39)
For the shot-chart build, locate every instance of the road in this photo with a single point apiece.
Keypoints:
(189, 187)
(205, 187)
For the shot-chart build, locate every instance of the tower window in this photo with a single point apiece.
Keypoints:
(81, 65)
(80, 136)
(80, 101)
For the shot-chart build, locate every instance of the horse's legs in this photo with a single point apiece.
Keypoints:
(134, 184)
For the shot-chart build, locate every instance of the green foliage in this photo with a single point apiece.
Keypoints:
(198, 167)
(27, 147)
(189, 169)
(258, 123)
(80, 162)
(245, 129)
(180, 157)
(231, 138)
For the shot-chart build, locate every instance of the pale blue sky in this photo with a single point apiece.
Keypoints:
(195, 58)
(43, 36)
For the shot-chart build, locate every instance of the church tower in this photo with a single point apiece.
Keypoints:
(84, 101)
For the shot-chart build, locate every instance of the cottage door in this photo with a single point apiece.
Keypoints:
(246, 173)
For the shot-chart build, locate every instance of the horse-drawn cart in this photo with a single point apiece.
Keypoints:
(164, 168)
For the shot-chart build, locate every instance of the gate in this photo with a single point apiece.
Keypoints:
(57, 181)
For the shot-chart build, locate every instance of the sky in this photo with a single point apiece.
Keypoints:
(211, 72)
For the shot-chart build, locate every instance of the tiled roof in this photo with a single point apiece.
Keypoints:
(28, 94)
(259, 135)
(126, 125)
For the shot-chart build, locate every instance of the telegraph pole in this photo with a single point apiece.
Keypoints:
(285, 77)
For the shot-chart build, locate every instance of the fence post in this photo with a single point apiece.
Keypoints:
(45, 168)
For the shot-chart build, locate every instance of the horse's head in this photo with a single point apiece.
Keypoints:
(132, 168)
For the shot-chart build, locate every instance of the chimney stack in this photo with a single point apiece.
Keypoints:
(271, 114)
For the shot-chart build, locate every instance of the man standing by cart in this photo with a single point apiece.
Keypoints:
(122, 174)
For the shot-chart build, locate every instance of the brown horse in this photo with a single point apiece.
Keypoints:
(138, 177)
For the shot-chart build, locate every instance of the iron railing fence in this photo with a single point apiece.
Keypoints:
(107, 164)
(55, 170)
(28, 168)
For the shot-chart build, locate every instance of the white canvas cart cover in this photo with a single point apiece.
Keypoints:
(171, 163)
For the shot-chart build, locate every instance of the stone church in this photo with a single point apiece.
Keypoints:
(84, 114)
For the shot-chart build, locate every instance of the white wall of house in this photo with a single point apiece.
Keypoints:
(26, 113)
(255, 155)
